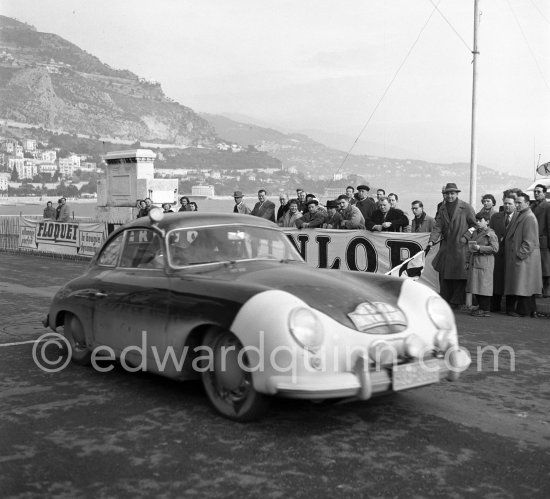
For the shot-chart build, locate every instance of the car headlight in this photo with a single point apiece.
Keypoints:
(306, 328)
(440, 313)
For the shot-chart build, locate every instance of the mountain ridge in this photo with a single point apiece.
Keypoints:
(46, 81)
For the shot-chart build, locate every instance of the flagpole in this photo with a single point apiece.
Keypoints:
(473, 150)
(473, 147)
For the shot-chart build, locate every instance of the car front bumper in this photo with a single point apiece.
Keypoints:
(365, 382)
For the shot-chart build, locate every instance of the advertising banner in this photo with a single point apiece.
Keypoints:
(71, 238)
(363, 251)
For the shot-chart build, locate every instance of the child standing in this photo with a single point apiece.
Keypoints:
(482, 245)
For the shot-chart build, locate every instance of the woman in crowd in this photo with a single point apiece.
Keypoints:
(193, 206)
(167, 208)
(482, 245)
(489, 206)
(293, 214)
(143, 211)
(184, 202)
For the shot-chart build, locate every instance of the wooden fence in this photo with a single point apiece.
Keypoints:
(9, 233)
(10, 230)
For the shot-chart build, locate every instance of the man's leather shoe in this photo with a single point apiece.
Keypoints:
(513, 314)
(534, 315)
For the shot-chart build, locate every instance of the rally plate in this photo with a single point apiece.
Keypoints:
(415, 374)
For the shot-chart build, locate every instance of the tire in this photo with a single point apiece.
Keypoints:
(74, 332)
(230, 390)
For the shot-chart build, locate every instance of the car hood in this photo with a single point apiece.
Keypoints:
(335, 293)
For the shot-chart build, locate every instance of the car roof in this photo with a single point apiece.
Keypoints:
(185, 219)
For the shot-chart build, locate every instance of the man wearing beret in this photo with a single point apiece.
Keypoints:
(453, 219)
(240, 207)
(364, 203)
(264, 208)
(313, 219)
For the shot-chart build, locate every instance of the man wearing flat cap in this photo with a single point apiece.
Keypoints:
(453, 219)
(313, 219)
(240, 207)
(366, 205)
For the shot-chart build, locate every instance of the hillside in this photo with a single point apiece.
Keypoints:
(46, 81)
(49, 87)
(400, 175)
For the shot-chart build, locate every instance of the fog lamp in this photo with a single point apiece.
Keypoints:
(156, 215)
(413, 346)
(382, 353)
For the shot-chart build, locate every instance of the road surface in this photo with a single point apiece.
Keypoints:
(82, 433)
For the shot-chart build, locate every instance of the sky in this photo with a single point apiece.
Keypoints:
(397, 73)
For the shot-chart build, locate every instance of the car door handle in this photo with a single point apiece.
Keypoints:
(99, 294)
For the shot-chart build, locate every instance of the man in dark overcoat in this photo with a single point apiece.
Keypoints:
(453, 219)
(264, 208)
(523, 272)
(500, 222)
(387, 219)
(541, 209)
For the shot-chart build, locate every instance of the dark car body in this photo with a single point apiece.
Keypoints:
(228, 298)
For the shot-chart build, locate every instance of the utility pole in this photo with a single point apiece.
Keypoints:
(473, 154)
(473, 150)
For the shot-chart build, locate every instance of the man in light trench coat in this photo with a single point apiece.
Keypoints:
(523, 274)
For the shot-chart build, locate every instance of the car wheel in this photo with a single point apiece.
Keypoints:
(228, 386)
(74, 332)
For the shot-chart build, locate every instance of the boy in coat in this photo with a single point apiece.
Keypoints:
(482, 246)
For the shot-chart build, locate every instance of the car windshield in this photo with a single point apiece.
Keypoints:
(202, 245)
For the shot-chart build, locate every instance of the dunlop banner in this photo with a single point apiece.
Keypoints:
(72, 238)
(362, 250)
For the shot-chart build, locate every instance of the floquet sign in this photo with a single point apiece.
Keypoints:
(362, 250)
(57, 232)
(61, 237)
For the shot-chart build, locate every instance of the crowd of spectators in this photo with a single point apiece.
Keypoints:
(491, 254)
(494, 254)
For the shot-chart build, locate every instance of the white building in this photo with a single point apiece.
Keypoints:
(48, 155)
(203, 190)
(8, 146)
(88, 166)
(67, 166)
(29, 145)
(27, 170)
(4, 179)
(18, 151)
(50, 168)
(15, 163)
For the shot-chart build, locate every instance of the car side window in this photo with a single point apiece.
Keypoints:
(142, 249)
(109, 254)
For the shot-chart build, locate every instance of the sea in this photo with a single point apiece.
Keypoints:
(85, 208)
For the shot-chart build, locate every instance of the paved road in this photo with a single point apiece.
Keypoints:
(81, 433)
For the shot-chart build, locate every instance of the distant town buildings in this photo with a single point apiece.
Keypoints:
(203, 190)
(28, 160)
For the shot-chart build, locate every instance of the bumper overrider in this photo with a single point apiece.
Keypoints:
(366, 381)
